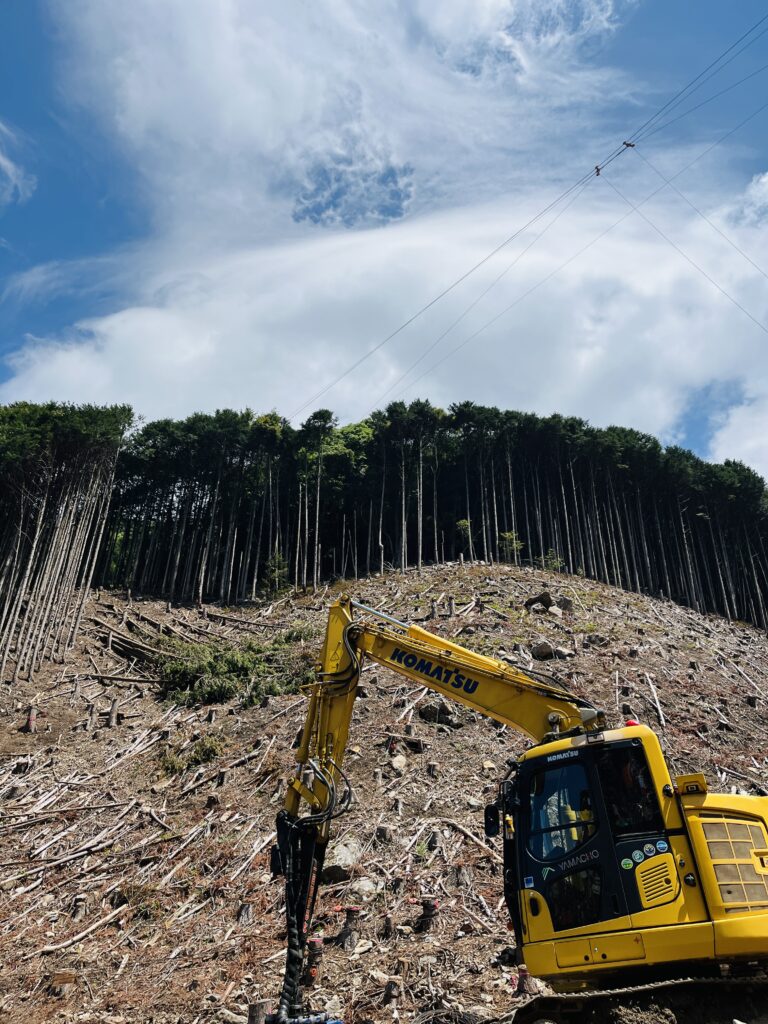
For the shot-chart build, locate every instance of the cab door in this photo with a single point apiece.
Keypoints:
(654, 860)
(568, 875)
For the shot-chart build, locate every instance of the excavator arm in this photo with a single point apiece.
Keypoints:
(319, 792)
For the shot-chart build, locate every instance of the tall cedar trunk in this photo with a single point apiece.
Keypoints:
(316, 573)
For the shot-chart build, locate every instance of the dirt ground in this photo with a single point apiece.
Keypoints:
(134, 857)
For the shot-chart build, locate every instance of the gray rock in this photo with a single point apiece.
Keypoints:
(440, 712)
(595, 640)
(341, 860)
(543, 651)
(365, 888)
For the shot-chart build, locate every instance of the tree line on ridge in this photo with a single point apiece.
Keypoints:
(226, 506)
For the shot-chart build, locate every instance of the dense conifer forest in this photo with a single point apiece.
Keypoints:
(227, 506)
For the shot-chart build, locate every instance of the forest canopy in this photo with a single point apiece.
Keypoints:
(218, 507)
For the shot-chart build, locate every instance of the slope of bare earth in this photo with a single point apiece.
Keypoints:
(134, 881)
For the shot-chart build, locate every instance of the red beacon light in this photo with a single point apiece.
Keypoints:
(631, 721)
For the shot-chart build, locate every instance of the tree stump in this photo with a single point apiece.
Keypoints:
(349, 935)
(526, 985)
(429, 908)
(245, 913)
(391, 993)
(383, 834)
(257, 1012)
(314, 958)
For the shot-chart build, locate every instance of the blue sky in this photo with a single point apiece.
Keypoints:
(203, 204)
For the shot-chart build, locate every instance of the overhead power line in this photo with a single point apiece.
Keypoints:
(585, 248)
(709, 99)
(459, 280)
(686, 256)
(714, 67)
(703, 215)
(485, 291)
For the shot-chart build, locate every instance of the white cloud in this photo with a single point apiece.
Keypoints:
(743, 435)
(752, 207)
(623, 334)
(249, 126)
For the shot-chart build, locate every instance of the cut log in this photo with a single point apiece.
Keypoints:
(31, 725)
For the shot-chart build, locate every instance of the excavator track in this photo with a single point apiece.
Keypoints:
(689, 1000)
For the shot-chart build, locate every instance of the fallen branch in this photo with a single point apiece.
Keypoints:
(655, 696)
(470, 835)
(80, 935)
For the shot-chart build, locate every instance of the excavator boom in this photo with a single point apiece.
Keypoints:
(537, 707)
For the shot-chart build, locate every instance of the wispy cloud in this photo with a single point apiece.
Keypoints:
(237, 115)
(16, 184)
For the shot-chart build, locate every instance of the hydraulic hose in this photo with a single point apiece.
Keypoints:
(300, 862)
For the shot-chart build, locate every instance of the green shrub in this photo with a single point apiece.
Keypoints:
(205, 750)
(552, 561)
(171, 763)
(212, 674)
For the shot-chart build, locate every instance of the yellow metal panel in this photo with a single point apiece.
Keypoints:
(657, 881)
(558, 960)
(574, 953)
(742, 935)
(540, 960)
(688, 906)
(621, 946)
(679, 942)
(539, 925)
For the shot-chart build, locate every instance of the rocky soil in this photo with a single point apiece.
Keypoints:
(135, 833)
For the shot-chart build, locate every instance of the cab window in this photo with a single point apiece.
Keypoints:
(561, 811)
(628, 792)
(574, 900)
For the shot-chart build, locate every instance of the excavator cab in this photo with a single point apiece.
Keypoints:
(604, 871)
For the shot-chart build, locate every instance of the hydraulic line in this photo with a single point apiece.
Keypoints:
(300, 865)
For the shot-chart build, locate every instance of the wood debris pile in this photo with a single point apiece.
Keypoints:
(135, 832)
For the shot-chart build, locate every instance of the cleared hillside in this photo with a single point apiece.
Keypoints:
(135, 831)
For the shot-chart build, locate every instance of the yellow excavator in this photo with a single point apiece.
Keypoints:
(615, 873)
